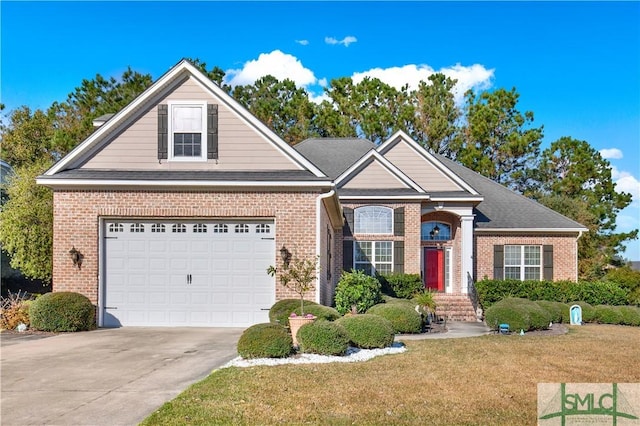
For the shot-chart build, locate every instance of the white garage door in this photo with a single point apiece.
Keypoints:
(187, 273)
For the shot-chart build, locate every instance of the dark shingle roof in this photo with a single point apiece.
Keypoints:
(505, 209)
(334, 155)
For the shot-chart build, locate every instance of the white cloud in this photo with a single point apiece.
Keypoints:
(278, 64)
(323, 82)
(611, 153)
(626, 182)
(303, 42)
(346, 41)
(469, 77)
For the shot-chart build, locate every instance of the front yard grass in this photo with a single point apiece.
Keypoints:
(484, 380)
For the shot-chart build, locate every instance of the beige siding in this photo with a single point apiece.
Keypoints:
(374, 176)
(419, 169)
(240, 146)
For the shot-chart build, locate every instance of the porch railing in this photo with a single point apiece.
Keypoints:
(472, 292)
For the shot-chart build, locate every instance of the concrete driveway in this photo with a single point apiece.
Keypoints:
(107, 376)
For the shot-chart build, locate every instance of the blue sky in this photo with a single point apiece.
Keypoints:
(575, 65)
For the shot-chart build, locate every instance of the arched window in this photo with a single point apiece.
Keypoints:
(373, 220)
(435, 231)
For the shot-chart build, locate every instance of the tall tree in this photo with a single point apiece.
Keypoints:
(497, 140)
(436, 117)
(31, 143)
(573, 179)
(283, 107)
(26, 222)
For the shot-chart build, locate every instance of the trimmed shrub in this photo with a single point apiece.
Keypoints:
(368, 331)
(404, 319)
(604, 314)
(357, 289)
(320, 311)
(595, 293)
(520, 314)
(267, 340)
(630, 315)
(587, 312)
(507, 311)
(62, 311)
(401, 285)
(324, 338)
(556, 310)
(280, 311)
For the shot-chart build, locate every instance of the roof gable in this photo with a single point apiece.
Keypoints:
(373, 171)
(117, 138)
(421, 166)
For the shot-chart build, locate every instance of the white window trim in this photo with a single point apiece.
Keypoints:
(373, 254)
(355, 221)
(522, 264)
(203, 138)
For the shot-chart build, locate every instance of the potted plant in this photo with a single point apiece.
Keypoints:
(298, 275)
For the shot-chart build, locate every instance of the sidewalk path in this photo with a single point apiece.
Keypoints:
(455, 330)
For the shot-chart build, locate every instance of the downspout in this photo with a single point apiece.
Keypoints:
(319, 235)
(577, 266)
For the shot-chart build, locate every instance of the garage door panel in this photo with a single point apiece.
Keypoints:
(193, 273)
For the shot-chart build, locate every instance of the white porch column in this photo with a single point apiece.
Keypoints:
(466, 262)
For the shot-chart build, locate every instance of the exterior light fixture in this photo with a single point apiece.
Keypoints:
(436, 230)
(285, 255)
(76, 257)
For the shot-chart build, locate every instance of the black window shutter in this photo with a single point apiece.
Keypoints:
(498, 262)
(163, 132)
(347, 255)
(398, 221)
(212, 131)
(547, 259)
(398, 256)
(348, 222)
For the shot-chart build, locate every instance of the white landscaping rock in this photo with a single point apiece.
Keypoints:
(353, 355)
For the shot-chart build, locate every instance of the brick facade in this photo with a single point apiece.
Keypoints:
(565, 252)
(77, 217)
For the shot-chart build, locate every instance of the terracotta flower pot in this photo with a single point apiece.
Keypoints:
(295, 323)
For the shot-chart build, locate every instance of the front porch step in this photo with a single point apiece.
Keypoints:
(455, 307)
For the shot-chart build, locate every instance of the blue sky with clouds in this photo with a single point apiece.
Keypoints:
(576, 65)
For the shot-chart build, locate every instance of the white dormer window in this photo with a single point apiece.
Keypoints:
(188, 131)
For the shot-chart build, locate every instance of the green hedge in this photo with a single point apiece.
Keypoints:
(62, 311)
(520, 314)
(588, 313)
(268, 340)
(403, 318)
(594, 293)
(403, 286)
(357, 289)
(324, 338)
(558, 311)
(368, 331)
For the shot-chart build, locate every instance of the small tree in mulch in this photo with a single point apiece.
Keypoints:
(296, 274)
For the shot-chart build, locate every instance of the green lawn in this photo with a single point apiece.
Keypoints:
(483, 380)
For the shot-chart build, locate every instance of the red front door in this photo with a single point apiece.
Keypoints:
(433, 269)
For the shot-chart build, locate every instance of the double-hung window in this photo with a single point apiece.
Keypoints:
(373, 257)
(522, 262)
(188, 131)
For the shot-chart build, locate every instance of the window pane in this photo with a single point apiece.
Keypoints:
(428, 231)
(363, 251)
(532, 273)
(532, 255)
(373, 220)
(512, 255)
(384, 268)
(512, 272)
(383, 252)
(187, 118)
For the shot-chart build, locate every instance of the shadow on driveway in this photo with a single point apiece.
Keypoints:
(106, 376)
